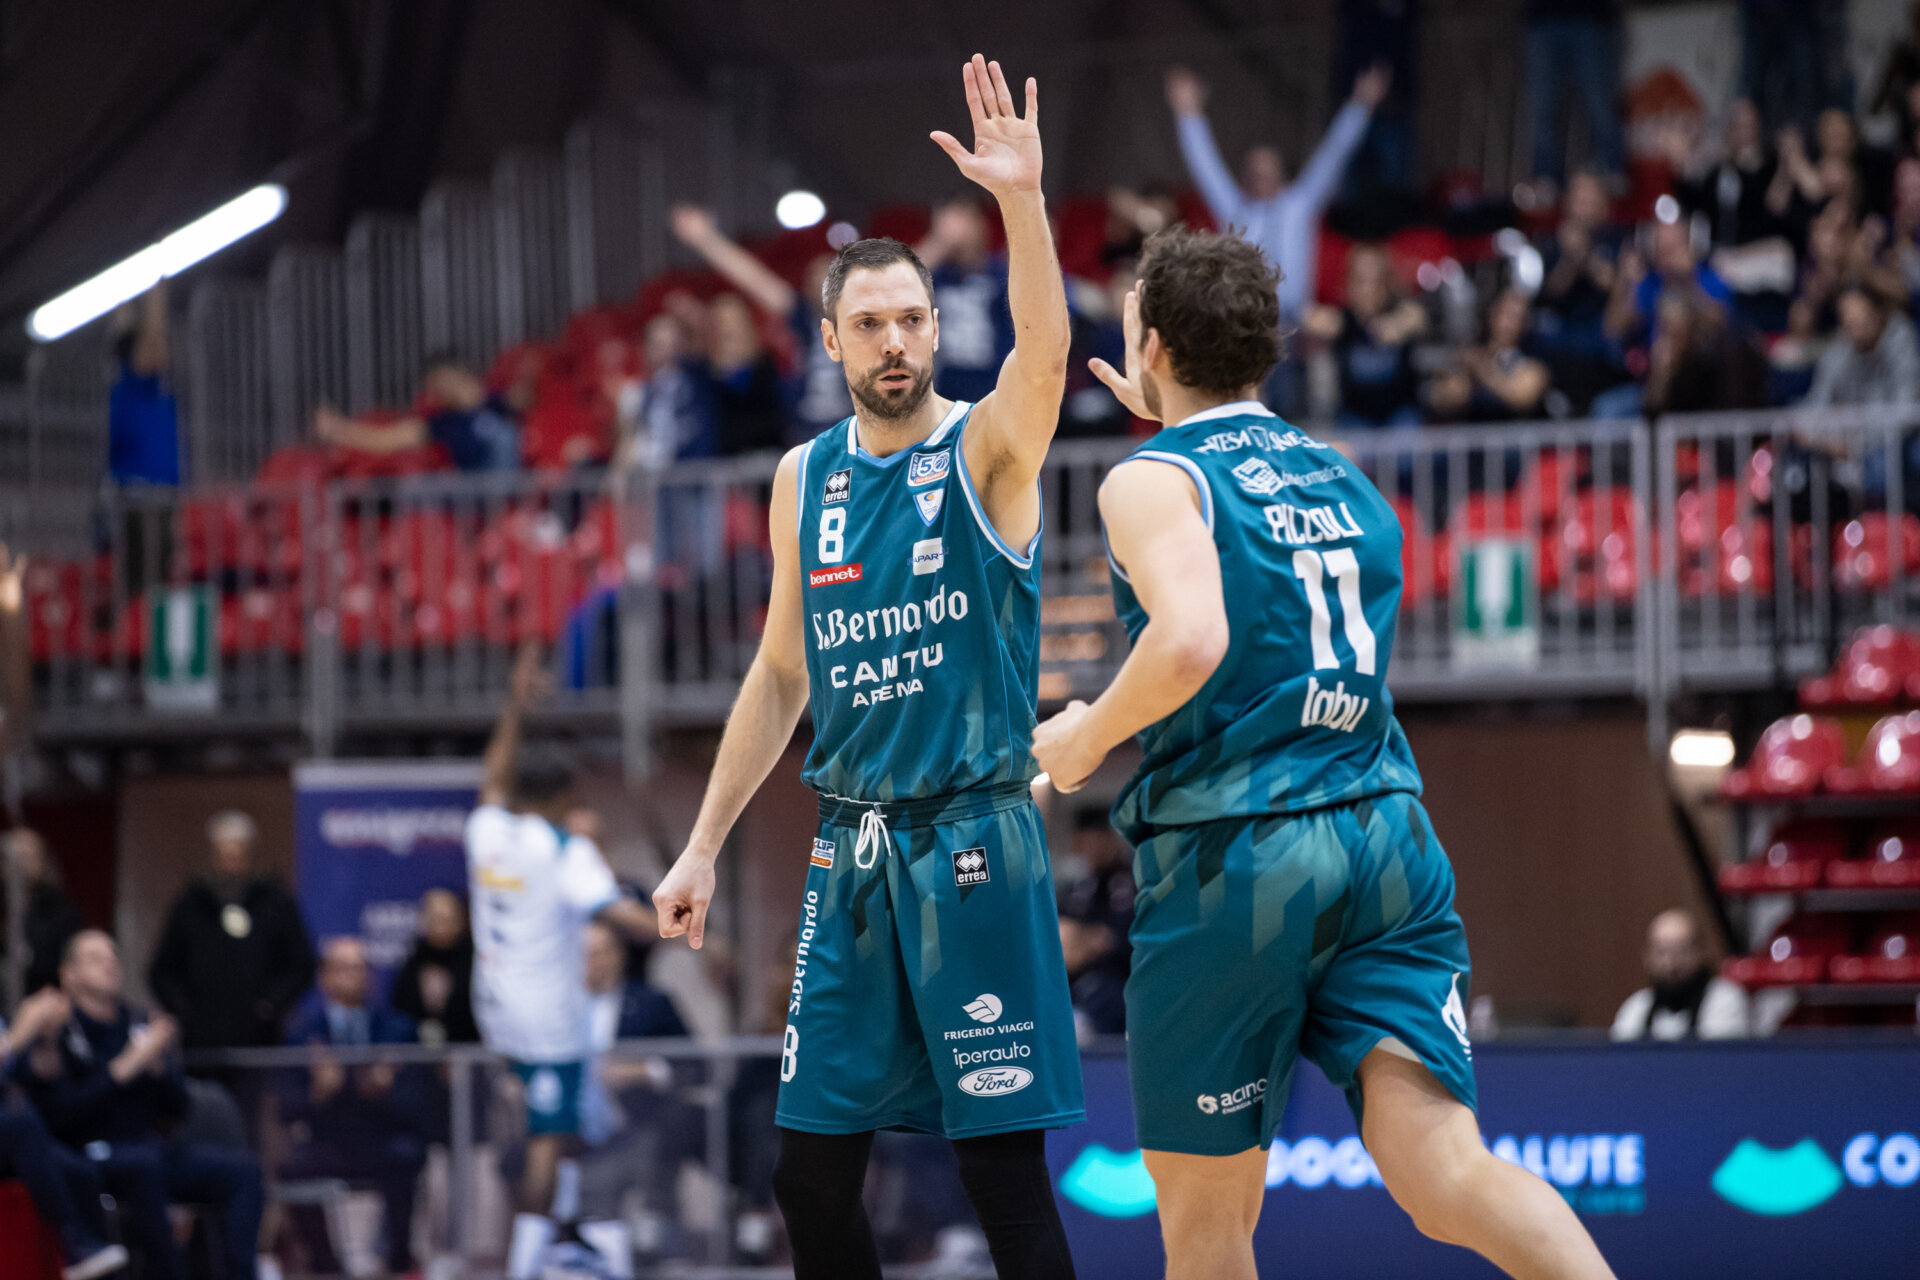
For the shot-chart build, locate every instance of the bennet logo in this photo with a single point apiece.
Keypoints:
(925, 468)
(984, 1008)
(1109, 1184)
(928, 555)
(1593, 1172)
(837, 574)
(1257, 477)
(839, 486)
(1780, 1183)
(1233, 1100)
(822, 855)
(992, 1082)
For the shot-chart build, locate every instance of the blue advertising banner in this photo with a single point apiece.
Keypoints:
(1764, 1159)
(370, 838)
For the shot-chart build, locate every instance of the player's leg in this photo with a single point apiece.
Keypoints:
(817, 1182)
(1428, 1148)
(1011, 1191)
(552, 1093)
(1208, 1207)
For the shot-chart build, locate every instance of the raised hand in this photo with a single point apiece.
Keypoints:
(529, 682)
(693, 225)
(1006, 147)
(1186, 92)
(1127, 387)
(1370, 86)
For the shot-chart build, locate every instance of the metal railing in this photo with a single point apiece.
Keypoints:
(1714, 551)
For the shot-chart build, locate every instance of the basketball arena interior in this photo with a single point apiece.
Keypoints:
(368, 367)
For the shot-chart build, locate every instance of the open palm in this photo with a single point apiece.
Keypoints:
(1006, 148)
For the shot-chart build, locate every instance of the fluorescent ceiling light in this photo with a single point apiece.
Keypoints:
(1705, 748)
(798, 209)
(199, 239)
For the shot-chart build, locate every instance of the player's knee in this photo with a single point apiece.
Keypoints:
(1438, 1194)
(813, 1189)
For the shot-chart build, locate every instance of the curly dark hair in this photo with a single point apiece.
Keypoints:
(873, 254)
(1212, 299)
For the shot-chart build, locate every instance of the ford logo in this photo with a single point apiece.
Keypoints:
(990, 1082)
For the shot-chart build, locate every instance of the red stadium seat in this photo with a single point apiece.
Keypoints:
(1892, 861)
(1595, 543)
(1889, 760)
(1796, 858)
(1892, 955)
(1862, 560)
(1792, 759)
(28, 1250)
(1798, 953)
(1880, 665)
(1719, 549)
(1426, 559)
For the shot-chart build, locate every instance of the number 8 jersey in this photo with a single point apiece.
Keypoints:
(922, 624)
(1297, 716)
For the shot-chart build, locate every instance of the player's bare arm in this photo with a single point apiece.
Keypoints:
(759, 727)
(527, 685)
(1157, 533)
(1007, 437)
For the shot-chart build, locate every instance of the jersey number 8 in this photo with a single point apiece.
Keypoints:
(1311, 567)
(833, 543)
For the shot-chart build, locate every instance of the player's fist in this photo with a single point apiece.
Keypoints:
(1059, 748)
(682, 899)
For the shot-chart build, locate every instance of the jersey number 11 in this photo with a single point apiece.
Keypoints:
(1311, 567)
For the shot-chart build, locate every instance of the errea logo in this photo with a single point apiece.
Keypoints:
(839, 486)
(984, 1008)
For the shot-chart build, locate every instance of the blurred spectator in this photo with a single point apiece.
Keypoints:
(1282, 219)
(1096, 972)
(1832, 260)
(1372, 338)
(1498, 381)
(753, 1141)
(1701, 360)
(1875, 359)
(234, 956)
(823, 397)
(970, 294)
(64, 1188)
(51, 917)
(746, 380)
(1579, 264)
(1893, 248)
(434, 986)
(1573, 47)
(143, 423)
(1684, 998)
(639, 1132)
(479, 430)
(1633, 311)
(1731, 192)
(1383, 34)
(1848, 165)
(109, 1084)
(1900, 77)
(358, 1123)
(1782, 63)
(675, 418)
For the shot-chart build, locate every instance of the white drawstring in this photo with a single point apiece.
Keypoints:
(873, 836)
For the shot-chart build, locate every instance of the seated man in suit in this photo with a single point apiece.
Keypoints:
(359, 1123)
(109, 1086)
(637, 1131)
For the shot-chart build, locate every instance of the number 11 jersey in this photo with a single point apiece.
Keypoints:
(1297, 716)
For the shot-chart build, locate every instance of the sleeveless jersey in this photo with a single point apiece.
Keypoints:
(922, 624)
(1297, 716)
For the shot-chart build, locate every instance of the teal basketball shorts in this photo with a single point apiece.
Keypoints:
(928, 990)
(1259, 940)
(553, 1095)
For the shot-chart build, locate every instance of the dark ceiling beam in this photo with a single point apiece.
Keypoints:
(644, 16)
(125, 127)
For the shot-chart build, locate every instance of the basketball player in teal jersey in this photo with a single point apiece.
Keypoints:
(929, 993)
(1292, 897)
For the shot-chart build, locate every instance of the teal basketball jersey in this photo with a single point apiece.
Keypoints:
(1297, 716)
(923, 625)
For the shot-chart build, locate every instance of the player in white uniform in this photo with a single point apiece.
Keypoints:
(535, 885)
